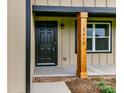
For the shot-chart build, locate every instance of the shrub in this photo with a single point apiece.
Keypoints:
(105, 88)
(101, 83)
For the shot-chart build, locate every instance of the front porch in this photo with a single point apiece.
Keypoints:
(65, 79)
(67, 55)
(71, 38)
(71, 70)
(52, 42)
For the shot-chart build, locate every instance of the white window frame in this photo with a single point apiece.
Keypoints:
(94, 37)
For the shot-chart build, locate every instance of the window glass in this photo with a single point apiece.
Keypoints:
(42, 29)
(89, 43)
(98, 37)
(101, 30)
(102, 43)
(89, 30)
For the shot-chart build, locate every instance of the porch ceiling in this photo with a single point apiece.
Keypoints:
(72, 11)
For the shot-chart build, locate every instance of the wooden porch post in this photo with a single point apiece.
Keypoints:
(82, 44)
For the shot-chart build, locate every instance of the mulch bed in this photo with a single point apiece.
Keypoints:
(77, 85)
(89, 85)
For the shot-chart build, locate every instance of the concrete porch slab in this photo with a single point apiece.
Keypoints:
(107, 69)
(52, 87)
(55, 71)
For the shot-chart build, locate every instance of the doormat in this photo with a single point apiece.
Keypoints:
(53, 79)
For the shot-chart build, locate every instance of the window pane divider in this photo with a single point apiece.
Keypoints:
(93, 37)
(103, 37)
(109, 36)
(89, 37)
(93, 46)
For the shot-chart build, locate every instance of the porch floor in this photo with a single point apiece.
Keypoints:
(71, 70)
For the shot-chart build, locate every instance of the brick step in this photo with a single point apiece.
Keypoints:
(53, 79)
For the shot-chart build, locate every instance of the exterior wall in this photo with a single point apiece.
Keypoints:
(66, 39)
(32, 42)
(67, 35)
(66, 42)
(87, 3)
(104, 58)
(16, 46)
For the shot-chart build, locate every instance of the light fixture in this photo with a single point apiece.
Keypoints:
(62, 26)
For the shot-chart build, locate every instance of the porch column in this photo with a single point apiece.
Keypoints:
(82, 44)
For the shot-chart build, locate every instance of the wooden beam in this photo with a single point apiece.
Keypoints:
(82, 44)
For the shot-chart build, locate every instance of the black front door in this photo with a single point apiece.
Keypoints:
(46, 43)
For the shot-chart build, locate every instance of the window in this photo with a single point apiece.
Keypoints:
(98, 37)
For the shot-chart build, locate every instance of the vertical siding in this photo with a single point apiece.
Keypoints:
(73, 57)
(103, 58)
(89, 59)
(100, 3)
(16, 36)
(66, 3)
(111, 3)
(54, 2)
(77, 2)
(111, 57)
(41, 2)
(32, 44)
(89, 3)
(66, 39)
(114, 41)
(66, 43)
(59, 44)
(95, 59)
